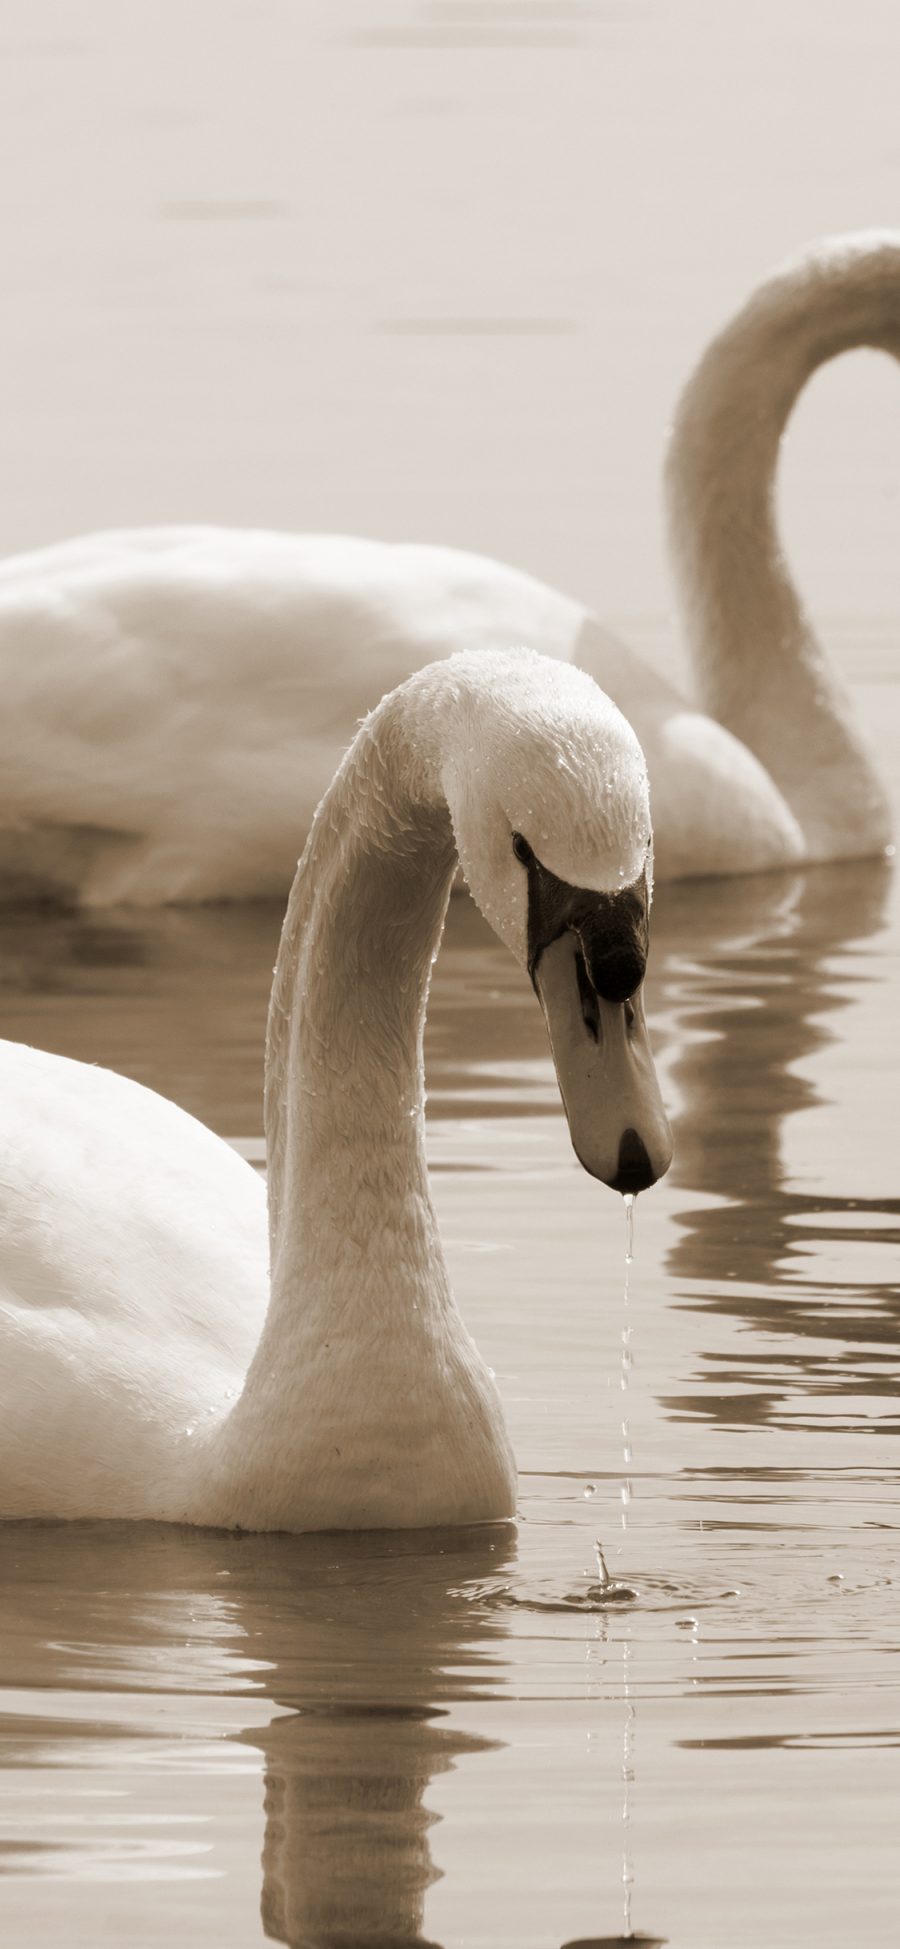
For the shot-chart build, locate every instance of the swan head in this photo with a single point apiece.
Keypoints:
(547, 789)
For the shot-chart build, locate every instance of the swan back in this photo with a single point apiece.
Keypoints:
(176, 701)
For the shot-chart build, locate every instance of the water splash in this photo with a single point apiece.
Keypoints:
(607, 1589)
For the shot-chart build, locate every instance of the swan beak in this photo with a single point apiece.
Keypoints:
(607, 1077)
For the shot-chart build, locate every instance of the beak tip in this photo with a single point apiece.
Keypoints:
(635, 1170)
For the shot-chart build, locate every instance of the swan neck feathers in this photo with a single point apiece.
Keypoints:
(760, 668)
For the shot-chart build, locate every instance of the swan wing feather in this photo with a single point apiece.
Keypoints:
(126, 1319)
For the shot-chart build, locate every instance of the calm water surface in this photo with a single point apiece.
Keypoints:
(437, 271)
(342, 1741)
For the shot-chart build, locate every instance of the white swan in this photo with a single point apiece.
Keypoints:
(175, 700)
(148, 1369)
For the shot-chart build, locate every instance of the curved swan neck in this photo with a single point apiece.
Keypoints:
(759, 667)
(366, 1403)
(344, 1061)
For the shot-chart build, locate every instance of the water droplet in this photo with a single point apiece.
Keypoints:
(590, 1489)
(189, 1431)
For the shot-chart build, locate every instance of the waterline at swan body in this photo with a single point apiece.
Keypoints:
(173, 1349)
(176, 700)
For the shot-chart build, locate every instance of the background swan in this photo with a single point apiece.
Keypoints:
(175, 700)
(149, 1367)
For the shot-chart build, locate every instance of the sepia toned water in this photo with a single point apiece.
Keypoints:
(437, 271)
(466, 1738)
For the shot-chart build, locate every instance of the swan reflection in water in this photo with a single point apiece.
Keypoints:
(390, 1634)
(372, 1658)
(750, 985)
(363, 1642)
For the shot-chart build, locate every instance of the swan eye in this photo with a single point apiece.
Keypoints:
(522, 849)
